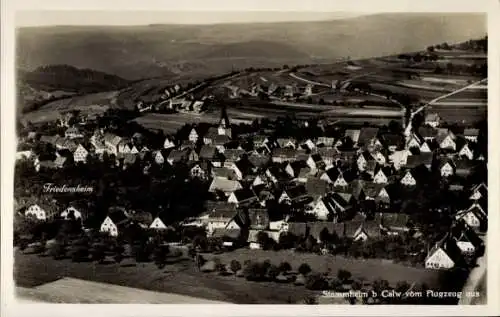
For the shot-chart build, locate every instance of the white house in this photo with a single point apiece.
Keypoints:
(447, 142)
(380, 177)
(433, 120)
(134, 150)
(109, 227)
(80, 154)
(193, 135)
(424, 148)
(157, 224)
(168, 143)
(258, 181)
(438, 259)
(408, 179)
(322, 209)
(446, 169)
(159, 159)
(466, 151)
(38, 212)
(71, 212)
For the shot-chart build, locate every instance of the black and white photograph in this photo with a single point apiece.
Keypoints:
(250, 157)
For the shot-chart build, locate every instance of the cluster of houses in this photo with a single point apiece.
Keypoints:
(320, 178)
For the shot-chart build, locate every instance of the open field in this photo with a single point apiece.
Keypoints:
(370, 269)
(179, 277)
(74, 291)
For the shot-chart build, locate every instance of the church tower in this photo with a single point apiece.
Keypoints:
(224, 124)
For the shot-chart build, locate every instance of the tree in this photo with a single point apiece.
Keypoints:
(285, 267)
(304, 269)
(235, 266)
(98, 252)
(80, 253)
(272, 272)
(316, 282)
(262, 239)
(356, 285)
(160, 256)
(324, 235)
(343, 275)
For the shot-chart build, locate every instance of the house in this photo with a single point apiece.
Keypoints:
(40, 212)
(380, 177)
(432, 119)
(422, 159)
(158, 157)
(253, 235)
(111, 142)
(200, 170)
(394, 223)
(328, 155)
(222, 216)
(293, 194)
(359, 229)
(342, 202)
(176, 156)
(193, 135)
(207, 152)
(392, 141)
(466, 152)
(363, 160)
(260, 141)
(464, 168)
(308, 145)
(258, 161)
(49, 139)
(72, 133)
(427, 133)
(60, 162)
(225, 173)
(286, 143)
(80, 154)
(444, 255)
(168, 143)
(368, 137)
(113, 222)
(134, 150)
(408, 179)
(324, 141)
(315, 162)
(446, 142)
(446, 168)
(280, 155)
(474, 218)
(158, 223)
(258, 218)
(478, 192)
(415, 141)
(323, 208)
(316, 188)
(332, 175)
(224, 185)
(24, 155)
(243, 197)
(399, 158)
(379, 157)
(424, 148)
(353, 134)
(233, 155)
(224, 127)
(71, 213)
(471, 134)
(466, 239)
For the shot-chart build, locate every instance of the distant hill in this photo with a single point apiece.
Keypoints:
(52, 82)
(166, 50)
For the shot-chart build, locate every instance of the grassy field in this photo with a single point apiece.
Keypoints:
(178, 277)
(369, 269)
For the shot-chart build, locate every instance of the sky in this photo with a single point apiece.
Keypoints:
(47, 18)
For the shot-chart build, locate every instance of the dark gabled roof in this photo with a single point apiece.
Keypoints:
(427, 132)
(392, 139)
(394, 221)
(471, 132)
(464, 233)
(367, 156)
(233, 154)
(342, 199)
(372, 189)
(259, 218)
(366, 134)
(282, 142)
(258, 160)
(349, 175)
(296, 192)
(232, 234)
(224, 172)
(207, 151)
(316, 187)
(419, 159)
(118, 216)
(177, 155)
(333, 173)
(450, 247)
(244, 194)
(220, 209)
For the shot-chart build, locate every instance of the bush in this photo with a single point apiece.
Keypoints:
(235, 266)
(273, 272)
(304, 269)
(316, 282)
(284, 267)
(343, 275)
(336, 284)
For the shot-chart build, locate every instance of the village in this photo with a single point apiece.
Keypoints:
(364, 192)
